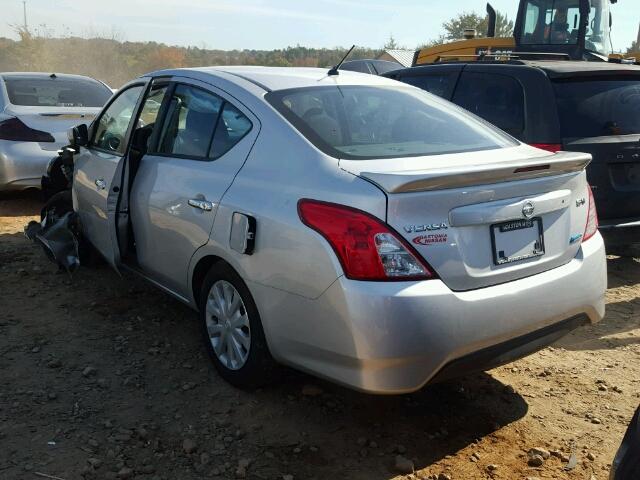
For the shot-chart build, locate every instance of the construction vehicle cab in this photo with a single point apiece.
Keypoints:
(579, 28)
(575, 29)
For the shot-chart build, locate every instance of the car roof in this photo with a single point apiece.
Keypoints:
(280, 78)
(43, 75)
(553, 68)
(560, 68)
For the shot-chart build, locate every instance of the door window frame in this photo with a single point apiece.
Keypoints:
(155, 134)
(144, 83)
(162, 117)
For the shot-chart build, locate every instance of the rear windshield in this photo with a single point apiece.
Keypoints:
(382, 66)
(56, 92)
(365, 122)
(602, 107)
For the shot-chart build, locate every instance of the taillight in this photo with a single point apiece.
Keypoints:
(367, 248)
(549, 147)
(592, 219)
(14, 129)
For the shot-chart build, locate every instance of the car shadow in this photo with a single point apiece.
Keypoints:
(623, 271)
(426, 426)
(621, 318)
(149, 355)
(615, 330)
(21, 204)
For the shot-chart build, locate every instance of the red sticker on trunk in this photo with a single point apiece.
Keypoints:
(430, 239)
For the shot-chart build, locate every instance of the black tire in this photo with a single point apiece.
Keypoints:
(259, 369)
(57, 205)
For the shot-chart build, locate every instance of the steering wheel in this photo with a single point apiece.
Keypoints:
(111, 141)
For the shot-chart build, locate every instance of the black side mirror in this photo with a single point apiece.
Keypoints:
(78, 135)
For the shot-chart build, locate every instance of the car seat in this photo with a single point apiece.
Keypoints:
(195, 138)
(326, 127)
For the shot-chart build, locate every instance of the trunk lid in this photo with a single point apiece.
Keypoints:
(484, 218)
(54, 120)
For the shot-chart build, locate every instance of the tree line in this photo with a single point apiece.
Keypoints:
(115, 61)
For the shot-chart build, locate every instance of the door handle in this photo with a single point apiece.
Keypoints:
(101, 184)
(201, 204)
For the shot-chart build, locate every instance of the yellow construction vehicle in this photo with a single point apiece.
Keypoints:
(572, 29)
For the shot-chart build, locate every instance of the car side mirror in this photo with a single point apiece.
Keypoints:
(78, 135)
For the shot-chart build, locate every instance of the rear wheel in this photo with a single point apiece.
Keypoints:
(233, 331)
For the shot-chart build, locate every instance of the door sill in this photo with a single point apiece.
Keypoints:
(134, 268)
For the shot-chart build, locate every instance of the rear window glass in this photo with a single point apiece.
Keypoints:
(499, 99)
(366, 122)
(594, 108)
(440, 85)
(382, 66)
(356, 66)
(56, 92)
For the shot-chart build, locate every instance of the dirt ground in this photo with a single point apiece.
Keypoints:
(107, 377)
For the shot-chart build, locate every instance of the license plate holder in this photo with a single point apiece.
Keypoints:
(517, 240)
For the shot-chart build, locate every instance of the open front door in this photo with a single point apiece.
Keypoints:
(101, 171)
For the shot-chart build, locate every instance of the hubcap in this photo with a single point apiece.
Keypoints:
(228, 325)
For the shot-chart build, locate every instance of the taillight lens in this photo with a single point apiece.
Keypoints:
(367, 248)
(592, 219)
(549, 147)
(14, 129)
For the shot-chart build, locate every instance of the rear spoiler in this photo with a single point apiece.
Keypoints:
(467, 176)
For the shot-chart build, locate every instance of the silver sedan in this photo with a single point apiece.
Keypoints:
(36, 110)
(343, 224)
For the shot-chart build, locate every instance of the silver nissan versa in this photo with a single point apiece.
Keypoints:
(344, 224)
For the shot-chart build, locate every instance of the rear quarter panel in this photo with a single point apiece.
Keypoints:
(282, 168)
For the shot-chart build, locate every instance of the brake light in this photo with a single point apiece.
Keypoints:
(14, 129)
(549, 147)
(367, 248)
(592, 219)
(533, 168)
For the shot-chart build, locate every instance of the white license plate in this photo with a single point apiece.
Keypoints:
(517, 240)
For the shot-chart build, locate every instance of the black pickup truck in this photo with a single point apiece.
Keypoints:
(591, 107)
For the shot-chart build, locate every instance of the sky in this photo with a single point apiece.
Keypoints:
(269, 24)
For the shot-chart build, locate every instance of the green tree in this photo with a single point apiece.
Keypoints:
(391, 44)
(455, 27)
(433, 42)
(119, 61)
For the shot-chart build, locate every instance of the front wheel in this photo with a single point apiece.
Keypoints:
(233, 331)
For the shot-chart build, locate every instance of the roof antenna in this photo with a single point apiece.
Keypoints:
(334, 70)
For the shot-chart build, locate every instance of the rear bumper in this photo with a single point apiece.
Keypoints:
(513, 349)
(392, 338)
(22, 164)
